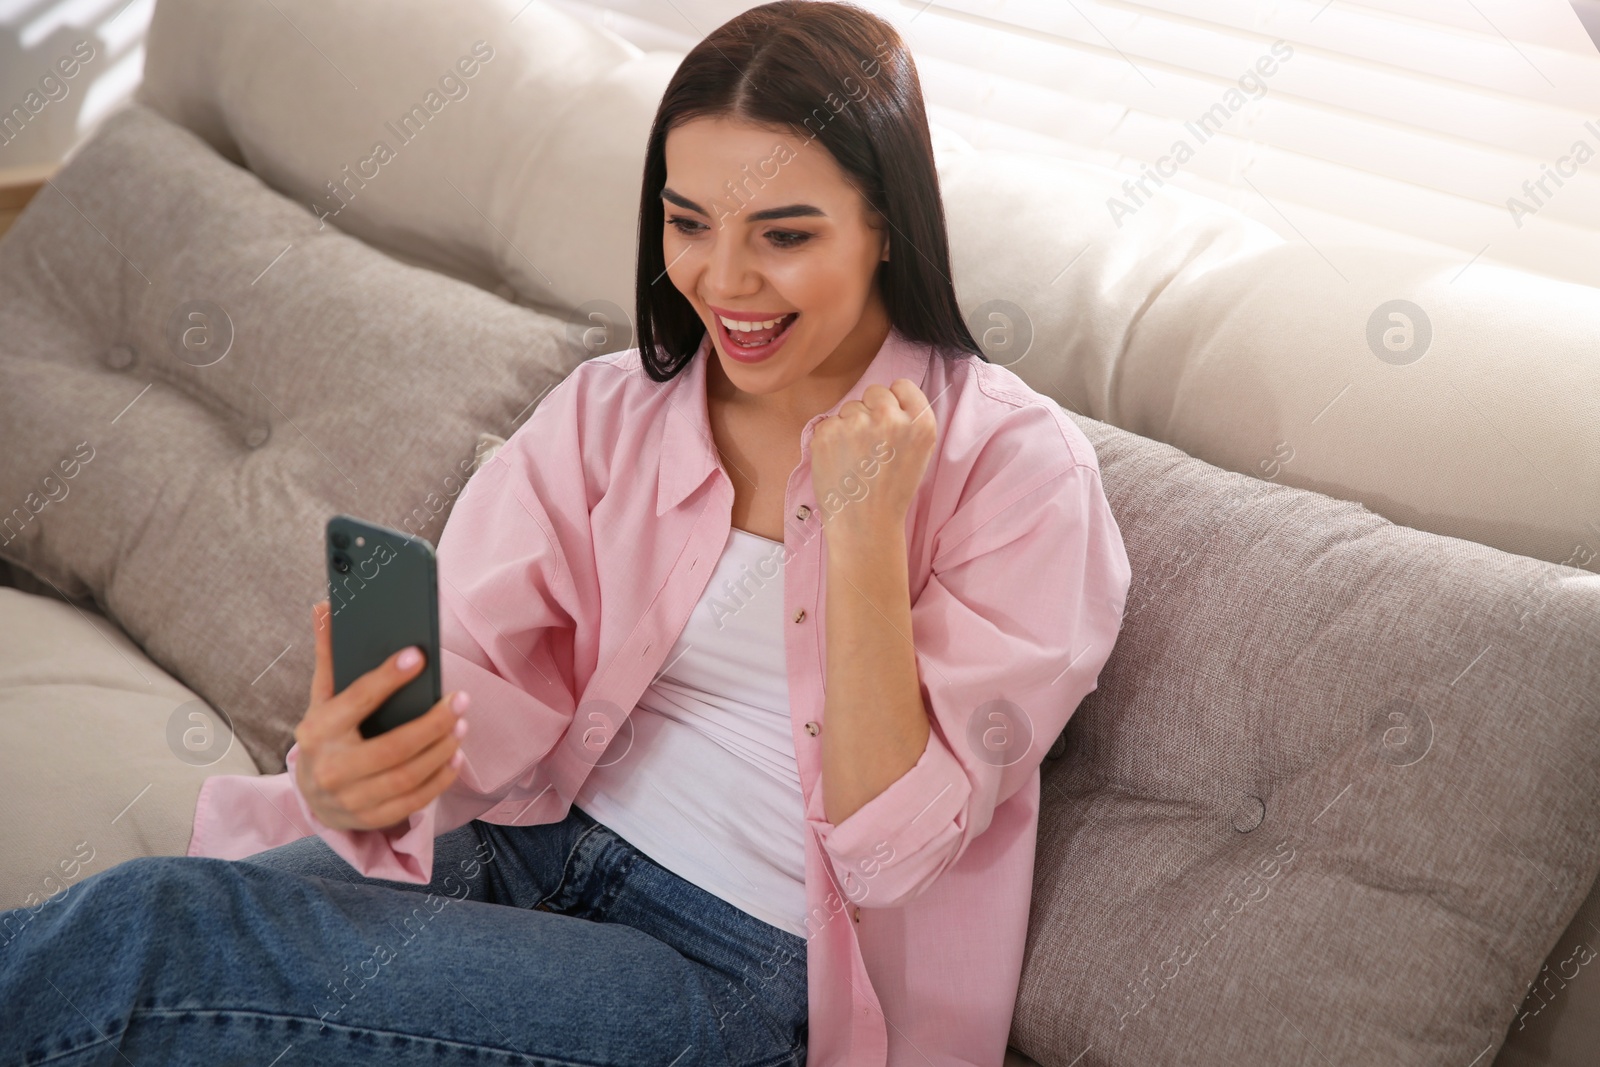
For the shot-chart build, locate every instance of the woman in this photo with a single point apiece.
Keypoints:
(766, 626)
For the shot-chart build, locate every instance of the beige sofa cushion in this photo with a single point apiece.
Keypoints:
(480, 184)
(104, 751)
(1334, 799)
(1272, 358)
(1136, 325)
(194, 377)
(1185, 322)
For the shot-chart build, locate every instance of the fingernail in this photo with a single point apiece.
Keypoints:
(409, 658)
(461, 728)
(461, 701)
(457, 758)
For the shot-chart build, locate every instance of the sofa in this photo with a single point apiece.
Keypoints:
(1335, 797)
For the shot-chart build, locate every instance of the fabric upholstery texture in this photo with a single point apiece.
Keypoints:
(475, 163)
(1192, 324)
(1242, 730)
(1334, 798)
(104, 751)
(1186, 321)
(221, 376)
(1559, 1022)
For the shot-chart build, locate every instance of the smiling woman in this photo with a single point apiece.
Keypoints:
(754, 638)
(789, 158)
(806, 286)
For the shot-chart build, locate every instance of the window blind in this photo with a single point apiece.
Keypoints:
(1469, 128)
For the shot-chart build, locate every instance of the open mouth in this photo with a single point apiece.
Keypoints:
(753, 345)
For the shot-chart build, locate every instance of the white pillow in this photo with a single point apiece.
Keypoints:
(517, 172)
(1189, 322)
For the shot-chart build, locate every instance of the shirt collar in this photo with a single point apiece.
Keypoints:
(688, 450)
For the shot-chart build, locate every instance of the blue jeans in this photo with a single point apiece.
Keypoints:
(564, 945)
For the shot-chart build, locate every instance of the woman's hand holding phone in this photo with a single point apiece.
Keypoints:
(351, 782)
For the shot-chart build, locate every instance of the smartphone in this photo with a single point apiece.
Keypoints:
(383, 594)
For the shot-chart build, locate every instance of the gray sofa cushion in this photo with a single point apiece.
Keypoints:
(1334, 798)
(176, 463)
(1559, 1022)
(1383, 908)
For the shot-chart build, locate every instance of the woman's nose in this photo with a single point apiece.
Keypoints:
(729, 267)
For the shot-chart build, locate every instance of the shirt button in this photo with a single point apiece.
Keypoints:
(804, 513)
(813, 729)
(800, 616)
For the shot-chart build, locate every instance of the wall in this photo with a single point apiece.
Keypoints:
(64, 65)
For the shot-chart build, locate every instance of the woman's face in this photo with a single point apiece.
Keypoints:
(760, 225)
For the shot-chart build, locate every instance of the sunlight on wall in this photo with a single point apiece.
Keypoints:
(63, 67)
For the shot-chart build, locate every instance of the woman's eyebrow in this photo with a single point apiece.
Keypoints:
(791, 211)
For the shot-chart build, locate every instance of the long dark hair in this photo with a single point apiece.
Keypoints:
(836, 73)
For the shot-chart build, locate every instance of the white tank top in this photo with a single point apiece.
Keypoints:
(707, 784)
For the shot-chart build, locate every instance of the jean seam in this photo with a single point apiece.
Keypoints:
(762, 1011)
(791, 1058)
(617, 881)
(749, 1000)
(788, 1057)
(75, 1051)
(566, 865)
(535, 1059)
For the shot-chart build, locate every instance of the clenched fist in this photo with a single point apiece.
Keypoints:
(868, 459)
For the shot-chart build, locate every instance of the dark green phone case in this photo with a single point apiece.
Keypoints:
(383, 594)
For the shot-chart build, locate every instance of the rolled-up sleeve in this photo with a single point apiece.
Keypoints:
(508, 610)
(1011, 631)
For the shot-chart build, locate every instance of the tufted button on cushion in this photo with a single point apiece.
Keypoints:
(1249, 813)
(382, 375)
(1280, 803)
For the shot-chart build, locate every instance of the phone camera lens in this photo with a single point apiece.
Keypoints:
(340, 539)
(341, 563)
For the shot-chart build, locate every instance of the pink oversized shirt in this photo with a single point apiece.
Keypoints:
(572, 562)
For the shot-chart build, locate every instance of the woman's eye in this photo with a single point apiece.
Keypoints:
(779, 238)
